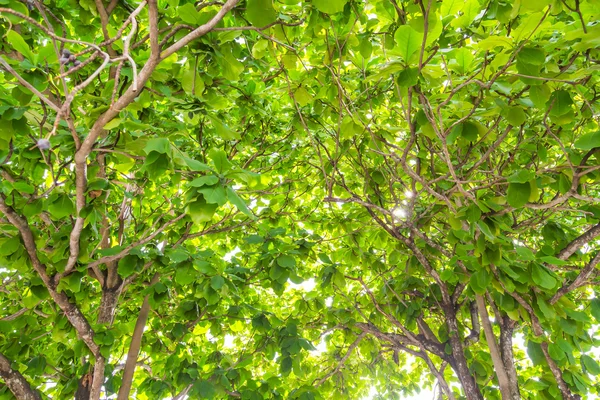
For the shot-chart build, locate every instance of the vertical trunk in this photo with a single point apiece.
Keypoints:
(84, 387)
(460, 362)
(98, 378)
(490, 338)
(90, 385)
(134, 347)
(506, 334)
(108, 304)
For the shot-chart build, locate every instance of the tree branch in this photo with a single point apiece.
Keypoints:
(201, 30)
(73, 314)
(16, 382)
(578, 242)
(342, 361)
(578, 281)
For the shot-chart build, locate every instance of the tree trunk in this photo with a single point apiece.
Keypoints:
(460, 362)
(90, 385)
(84, 387)
(501, 374)
(506, 333)
(108, 305)
(134, 347)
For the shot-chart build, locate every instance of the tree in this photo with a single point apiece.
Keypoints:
(172, 171)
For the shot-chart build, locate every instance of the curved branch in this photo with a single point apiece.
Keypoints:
(342, 361)
(73, 314)
(28, 86)
(200, 31)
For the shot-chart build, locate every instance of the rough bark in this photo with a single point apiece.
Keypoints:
(506, 351)
(108, 305)
(562, 385)
(578, 242)
(73, 314)
(84, 387)
(579, 281)
(16, 382)
(460, 365)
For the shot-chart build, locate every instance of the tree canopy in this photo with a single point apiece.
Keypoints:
(283, 199)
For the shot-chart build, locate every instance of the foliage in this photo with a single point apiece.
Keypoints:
(211, 191)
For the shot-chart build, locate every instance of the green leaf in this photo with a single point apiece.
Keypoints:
(19, 44)
(515, 116)
(285, 365)
(525, 254)
(553, 260)
(286, 261)
(28, 299)
(9, 245)
(217, 282)
(470, 131)
(408, 77)
(159, 145)
(200, 211)
(214, 194)
(236, 200)
(207, 180)
(518, 194)
(185, 275)
(259, 50)
(534, 350)
(521, 176)
(73, 282)
(469, 9)
(188, 14)
(588, 141)
(203, 390)
(527, 26)
(480, 281)
(177, 254)
(195, 165)
(408, 41)
(62, 207)
(564, 183)
(223, 130)
(128, 265)
(560, 103)
(302, 96)
(231, 67)
(542, 277)
(532, 56)
(330, 6)
(539, 95)
(116, 122)
(23, 187)
(546, 309)
(595, 308)
(192, 82)
(590, 364)
(260, 12)
(461, 60)
(219, 159)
